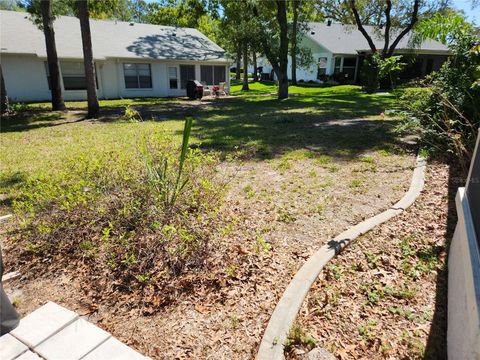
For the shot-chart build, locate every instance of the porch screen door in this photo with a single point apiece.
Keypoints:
(187, 72)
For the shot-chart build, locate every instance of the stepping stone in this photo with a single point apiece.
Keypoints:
(43, 323)
(10, 347)
(114, 349)
(28, 356)
(73, 342)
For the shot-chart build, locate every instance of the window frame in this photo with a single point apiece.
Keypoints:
(170, 78)
(137, 75)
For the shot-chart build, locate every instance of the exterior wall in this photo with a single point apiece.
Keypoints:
(463, 334)
(26, 79)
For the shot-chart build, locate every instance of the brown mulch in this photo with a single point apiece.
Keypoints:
(291, 212)
(385, 296)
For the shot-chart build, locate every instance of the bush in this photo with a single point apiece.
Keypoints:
(106, 216)
(447, 114)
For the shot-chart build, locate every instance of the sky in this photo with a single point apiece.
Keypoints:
(466, 6)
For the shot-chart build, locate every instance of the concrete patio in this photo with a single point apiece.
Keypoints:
(55, 333)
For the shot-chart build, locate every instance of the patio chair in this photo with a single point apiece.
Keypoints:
(207, 91)
(223, 89)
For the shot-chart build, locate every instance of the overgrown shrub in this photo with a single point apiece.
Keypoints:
(447, 113)
(106, 215)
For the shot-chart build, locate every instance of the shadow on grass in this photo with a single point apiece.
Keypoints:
(330, 120)
(30, 120)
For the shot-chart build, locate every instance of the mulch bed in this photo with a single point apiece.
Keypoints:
(385, 296)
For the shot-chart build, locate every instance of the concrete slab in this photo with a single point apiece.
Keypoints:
(29, 356)
(10, 347)
(43, 323)
(73, 342)
(114, 349)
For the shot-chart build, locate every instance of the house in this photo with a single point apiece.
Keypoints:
(339, 49)
(131, 59)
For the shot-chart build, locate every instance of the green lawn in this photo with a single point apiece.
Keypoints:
(253, 123)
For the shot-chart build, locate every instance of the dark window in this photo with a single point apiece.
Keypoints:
(73, 75)
(172, 77)
(206, 74)
(349, 62)
(338, 61)
(187, 72)
(322, 67)
(219, 74)
(137, 76)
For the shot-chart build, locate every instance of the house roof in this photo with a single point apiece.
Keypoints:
(347, 39)
(110, 39)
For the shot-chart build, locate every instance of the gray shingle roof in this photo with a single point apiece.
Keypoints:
(347, 39)
(110, 39)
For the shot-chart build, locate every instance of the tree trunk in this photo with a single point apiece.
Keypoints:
(293, 48)
(52, 58)
(245, 67)
(83, 15)
(283, 51)
(255, 68)
(239, 56)
(3, 94)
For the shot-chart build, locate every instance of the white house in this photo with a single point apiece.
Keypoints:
(339, 49)
(131, 59)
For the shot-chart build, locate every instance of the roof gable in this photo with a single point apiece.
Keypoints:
(110, 39)
(347, 39)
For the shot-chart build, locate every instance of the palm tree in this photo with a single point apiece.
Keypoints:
(52, 58)
(83, 15)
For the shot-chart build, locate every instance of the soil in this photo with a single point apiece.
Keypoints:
(384, 297)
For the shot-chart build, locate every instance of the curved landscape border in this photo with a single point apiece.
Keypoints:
(292, 299)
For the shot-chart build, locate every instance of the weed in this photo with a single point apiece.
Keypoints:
(249, 192)
(284, 216)
(355, 183)
(261, 246)
(367, 159)
(131, 115)
(298, 337)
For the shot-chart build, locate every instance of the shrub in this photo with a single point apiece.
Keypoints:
(106, 215)
(447, 113)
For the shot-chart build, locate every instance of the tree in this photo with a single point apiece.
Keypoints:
(245, 66)
(43, 14)
(274, 39)
(3, 93)
(83, 16)
(388, 49)
(293, 46)
(52, 58)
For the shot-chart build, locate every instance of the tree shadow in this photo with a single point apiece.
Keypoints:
(187, 46)
(34, 119)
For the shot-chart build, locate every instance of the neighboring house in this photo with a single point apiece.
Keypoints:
(339, 49)
(131, 60)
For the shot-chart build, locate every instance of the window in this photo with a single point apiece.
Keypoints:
(137, 76)
(172, 76)
(349, 66)
(322, 67)
(212, 75)
(73, 74)
(338, 62)
(206, 74)
(187, 72)
(219, 74)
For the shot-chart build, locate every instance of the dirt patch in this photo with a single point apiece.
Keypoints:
(385, 295)
(282, 210)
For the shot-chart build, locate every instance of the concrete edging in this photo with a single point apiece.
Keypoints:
(285, 313)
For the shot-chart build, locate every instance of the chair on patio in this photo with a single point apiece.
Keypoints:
(223, 89)
(207, 91)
